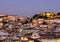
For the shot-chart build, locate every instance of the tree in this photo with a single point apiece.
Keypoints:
(35, 16)
(58, 13)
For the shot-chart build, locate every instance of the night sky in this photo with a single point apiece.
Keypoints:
(28, 7)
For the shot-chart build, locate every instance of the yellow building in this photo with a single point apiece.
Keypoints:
(48, 14)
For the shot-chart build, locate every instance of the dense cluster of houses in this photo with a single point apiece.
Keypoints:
(13, 26)
(10, 26)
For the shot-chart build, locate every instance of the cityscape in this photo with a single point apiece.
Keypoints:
(45, 25)
(29, 21)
